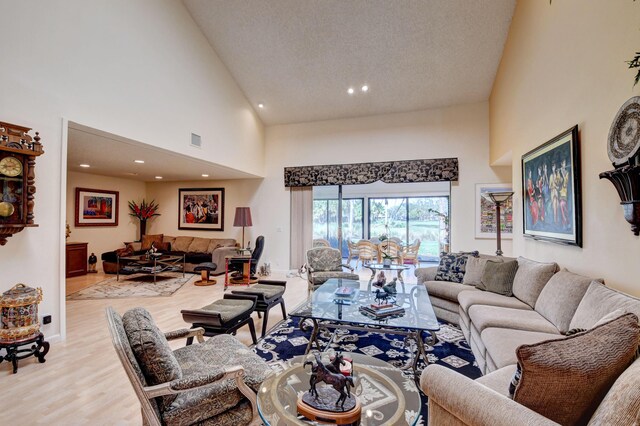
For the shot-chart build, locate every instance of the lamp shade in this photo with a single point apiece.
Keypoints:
(243, 217)
(498, 197)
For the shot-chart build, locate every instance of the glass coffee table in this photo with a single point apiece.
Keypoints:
(382, 267)
(326, 311)
(386, 395)
(151, 265)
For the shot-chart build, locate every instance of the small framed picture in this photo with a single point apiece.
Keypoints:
(96, 207)
(201, 208)
(551, 189)
(486, 212)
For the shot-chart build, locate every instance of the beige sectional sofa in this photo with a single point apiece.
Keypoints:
(545, 305)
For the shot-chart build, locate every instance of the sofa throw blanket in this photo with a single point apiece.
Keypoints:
(452, 266)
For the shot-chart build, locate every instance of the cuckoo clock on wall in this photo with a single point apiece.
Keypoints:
(18, 152)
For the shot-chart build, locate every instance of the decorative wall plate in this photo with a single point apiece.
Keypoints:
(624, 135)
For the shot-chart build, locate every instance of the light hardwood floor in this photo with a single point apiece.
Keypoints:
(82, 382)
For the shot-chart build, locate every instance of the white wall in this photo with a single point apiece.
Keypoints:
(237, 193)
(460, 131)
(104, 238)
(564, 64)
(141, 69)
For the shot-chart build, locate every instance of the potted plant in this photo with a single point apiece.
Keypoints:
(387, 258)
(143, 212)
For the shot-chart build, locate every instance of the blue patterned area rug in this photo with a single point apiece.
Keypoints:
(286, 341)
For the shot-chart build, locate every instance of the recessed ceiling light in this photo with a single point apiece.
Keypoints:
(158, 177)
(350, 90)
(205, 175)
(260, 105)
(365, 88)
(139, 161)
(86, 166)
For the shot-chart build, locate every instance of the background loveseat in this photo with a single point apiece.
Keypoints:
(196, 250)
(546, 304)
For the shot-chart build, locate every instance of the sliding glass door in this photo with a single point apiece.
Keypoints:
(325, 221)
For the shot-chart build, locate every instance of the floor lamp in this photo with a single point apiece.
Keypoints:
(243, 218)
(498, 198)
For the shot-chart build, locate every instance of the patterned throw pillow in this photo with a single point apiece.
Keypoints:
(452, 266)
(566, 379)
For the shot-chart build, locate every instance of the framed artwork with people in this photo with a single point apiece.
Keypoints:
(552, 206)
(201, 208)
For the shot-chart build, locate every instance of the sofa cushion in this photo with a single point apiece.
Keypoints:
(220, 351)
(566, 379)
(497, 277)
(501, 343)
(621, 406)
(475, 268)
(452, 266)
(199, 245)
(215, 243)
(197, 258)
(484, 317)
(168, 239)
(181, 243)
(531, 279)
(599, 301)
(560, 298)
(445, 289)
(148, 240)
(151, 349)
(470, 298)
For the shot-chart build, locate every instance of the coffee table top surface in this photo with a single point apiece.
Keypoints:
(140, 258)
(323, 304)
(392, 267)
(386, 395)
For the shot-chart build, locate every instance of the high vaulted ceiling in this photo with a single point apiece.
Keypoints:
(298, 57)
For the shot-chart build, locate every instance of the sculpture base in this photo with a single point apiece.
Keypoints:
(323, 408)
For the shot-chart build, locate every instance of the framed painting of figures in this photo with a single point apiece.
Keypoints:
(486, 212)
(201, 208)
(551, 196)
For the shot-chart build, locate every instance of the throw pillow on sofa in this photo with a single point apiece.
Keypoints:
(497, 277)
(452, 266)
(475, 268)
(566, 379)
(148, 240)
(531, 278)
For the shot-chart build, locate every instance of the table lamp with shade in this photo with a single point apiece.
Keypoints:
(242, 218)
(498, 198)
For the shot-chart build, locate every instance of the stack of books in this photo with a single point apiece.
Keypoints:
(382, 310)
(344, 295)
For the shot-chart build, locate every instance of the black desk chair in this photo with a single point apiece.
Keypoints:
(236, 266)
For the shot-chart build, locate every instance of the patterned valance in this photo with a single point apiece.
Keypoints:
(434, 170)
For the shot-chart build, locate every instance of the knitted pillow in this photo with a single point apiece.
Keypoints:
(452, 266)
(566, 379)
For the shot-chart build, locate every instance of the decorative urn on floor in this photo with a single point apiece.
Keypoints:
(19, 324)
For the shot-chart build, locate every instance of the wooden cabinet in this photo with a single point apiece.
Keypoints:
(76, 259)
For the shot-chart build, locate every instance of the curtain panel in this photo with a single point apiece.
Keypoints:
(433, 170)
(301, 232)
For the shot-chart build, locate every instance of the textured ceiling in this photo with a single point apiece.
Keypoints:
(300, 56)
(111, 155)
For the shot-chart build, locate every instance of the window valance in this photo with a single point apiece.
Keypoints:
(433, 170)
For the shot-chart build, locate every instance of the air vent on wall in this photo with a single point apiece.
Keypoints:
(196, 140)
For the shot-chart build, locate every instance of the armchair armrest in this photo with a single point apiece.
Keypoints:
(198, 333)
(348, 267)
(216, 375)
(474, 404)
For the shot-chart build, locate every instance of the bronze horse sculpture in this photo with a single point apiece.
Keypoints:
(322, 373)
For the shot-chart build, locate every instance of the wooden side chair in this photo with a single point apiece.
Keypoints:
(353, 251)
(410, 254)
(367, 252)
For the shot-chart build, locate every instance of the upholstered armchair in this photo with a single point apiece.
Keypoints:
(324, 263)
(213, 382)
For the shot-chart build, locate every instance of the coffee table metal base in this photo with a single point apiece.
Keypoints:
(416, 335)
